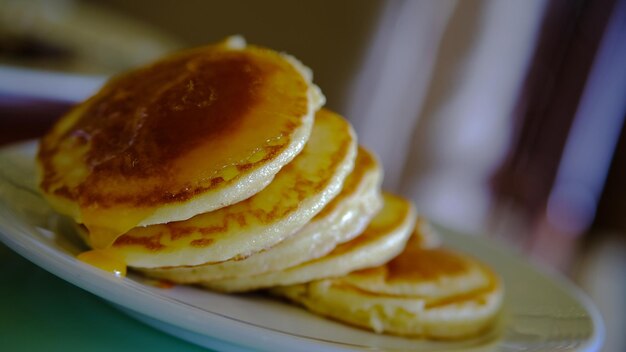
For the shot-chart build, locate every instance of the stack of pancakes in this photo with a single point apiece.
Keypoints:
(217, 166)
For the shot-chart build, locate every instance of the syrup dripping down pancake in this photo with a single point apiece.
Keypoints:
(191, 133)
(341, 220)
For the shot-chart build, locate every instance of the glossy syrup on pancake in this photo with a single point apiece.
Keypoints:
(161, 136)
(341, 220)
(106, 260)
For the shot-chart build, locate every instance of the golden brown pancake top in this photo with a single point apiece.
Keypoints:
(415, 264)
(423, 266)
(418, 264)
(161, 134)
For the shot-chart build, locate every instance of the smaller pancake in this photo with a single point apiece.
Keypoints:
(298, 192)
(193, 132)
(429, 293)
(342, 219)
(424, 236)
(383, 239)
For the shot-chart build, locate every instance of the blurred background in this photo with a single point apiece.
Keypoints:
(500, 118)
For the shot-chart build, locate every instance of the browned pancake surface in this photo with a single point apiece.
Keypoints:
(159, 135)
(144, 127)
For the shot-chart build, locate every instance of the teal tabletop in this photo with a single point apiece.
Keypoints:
(40, 312)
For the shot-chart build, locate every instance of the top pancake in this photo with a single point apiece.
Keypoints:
(188, 134)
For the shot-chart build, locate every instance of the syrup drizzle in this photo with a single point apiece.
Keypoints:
(105, 259)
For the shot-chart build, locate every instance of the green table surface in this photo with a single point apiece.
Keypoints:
(40, 312)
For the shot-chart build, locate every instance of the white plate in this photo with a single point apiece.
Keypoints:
(543, 312)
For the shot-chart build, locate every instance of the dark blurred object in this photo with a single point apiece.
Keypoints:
(28, 47)
(30, 100)
(612, 205)
(568, 119)
(25, 118)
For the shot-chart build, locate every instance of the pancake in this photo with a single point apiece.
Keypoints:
(298, 192)
(424, 236)
(384, 237)
(191, 133)
(341, 220)
(429, 293)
